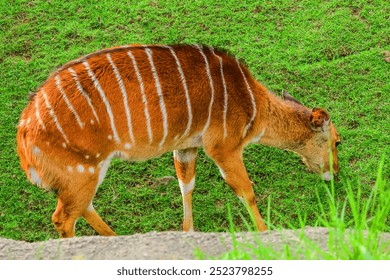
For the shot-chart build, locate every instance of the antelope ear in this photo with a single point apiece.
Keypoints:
(288, 97)
(319, 119)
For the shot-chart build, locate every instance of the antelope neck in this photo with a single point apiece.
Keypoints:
(286, 124)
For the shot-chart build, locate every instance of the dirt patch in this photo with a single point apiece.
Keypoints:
(153, 245)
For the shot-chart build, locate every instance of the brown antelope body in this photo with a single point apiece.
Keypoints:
(138, 102)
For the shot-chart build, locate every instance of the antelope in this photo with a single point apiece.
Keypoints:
(138, 102)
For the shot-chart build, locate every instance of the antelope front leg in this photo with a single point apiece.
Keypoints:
(185, 164)
(233, 171)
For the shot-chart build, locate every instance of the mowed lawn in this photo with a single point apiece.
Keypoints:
(329, 54)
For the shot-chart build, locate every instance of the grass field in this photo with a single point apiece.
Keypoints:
(329, 54)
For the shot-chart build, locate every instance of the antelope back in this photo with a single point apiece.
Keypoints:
(136, 102)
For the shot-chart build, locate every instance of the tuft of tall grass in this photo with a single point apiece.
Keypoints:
(358, 236)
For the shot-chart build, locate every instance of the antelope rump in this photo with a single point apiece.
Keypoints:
(139, 101)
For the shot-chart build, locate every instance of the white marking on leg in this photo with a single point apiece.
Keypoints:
(160, 95)
(70, 106)
(211, 88)
(187, 188)
(105, 100)
(252, 100)
(258, 137)
(54, 117)
(223, 174)
(144, 99)
(37, 114)
(80, 168)
(83, 93)
(124, 95)
(184, 83)
(241, 199)
(34, 177)
(90, 207)
(184, 157)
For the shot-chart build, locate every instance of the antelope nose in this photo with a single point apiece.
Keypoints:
(327, 176)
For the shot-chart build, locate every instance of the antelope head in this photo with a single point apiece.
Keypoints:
(320, 149)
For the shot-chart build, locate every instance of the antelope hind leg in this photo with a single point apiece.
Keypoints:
(74, 203)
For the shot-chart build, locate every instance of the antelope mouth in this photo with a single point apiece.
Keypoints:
(327, 176)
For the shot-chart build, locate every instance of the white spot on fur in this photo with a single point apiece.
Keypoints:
(92, 122)
(80, 168)
(64, 144)
(70, 168)
(91, 170)
(87, 156)
(28, 121)
(186, 188)
(109, 137)
(258, 137)
(97, 155)
(36, 150)
(127, 146)
(21, 123)
(34, 177)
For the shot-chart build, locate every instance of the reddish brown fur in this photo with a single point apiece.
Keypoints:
(73, 162)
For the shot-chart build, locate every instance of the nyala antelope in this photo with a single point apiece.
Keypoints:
(139, 101)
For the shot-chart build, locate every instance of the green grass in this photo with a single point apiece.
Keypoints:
(326, 53)
(358, 237)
